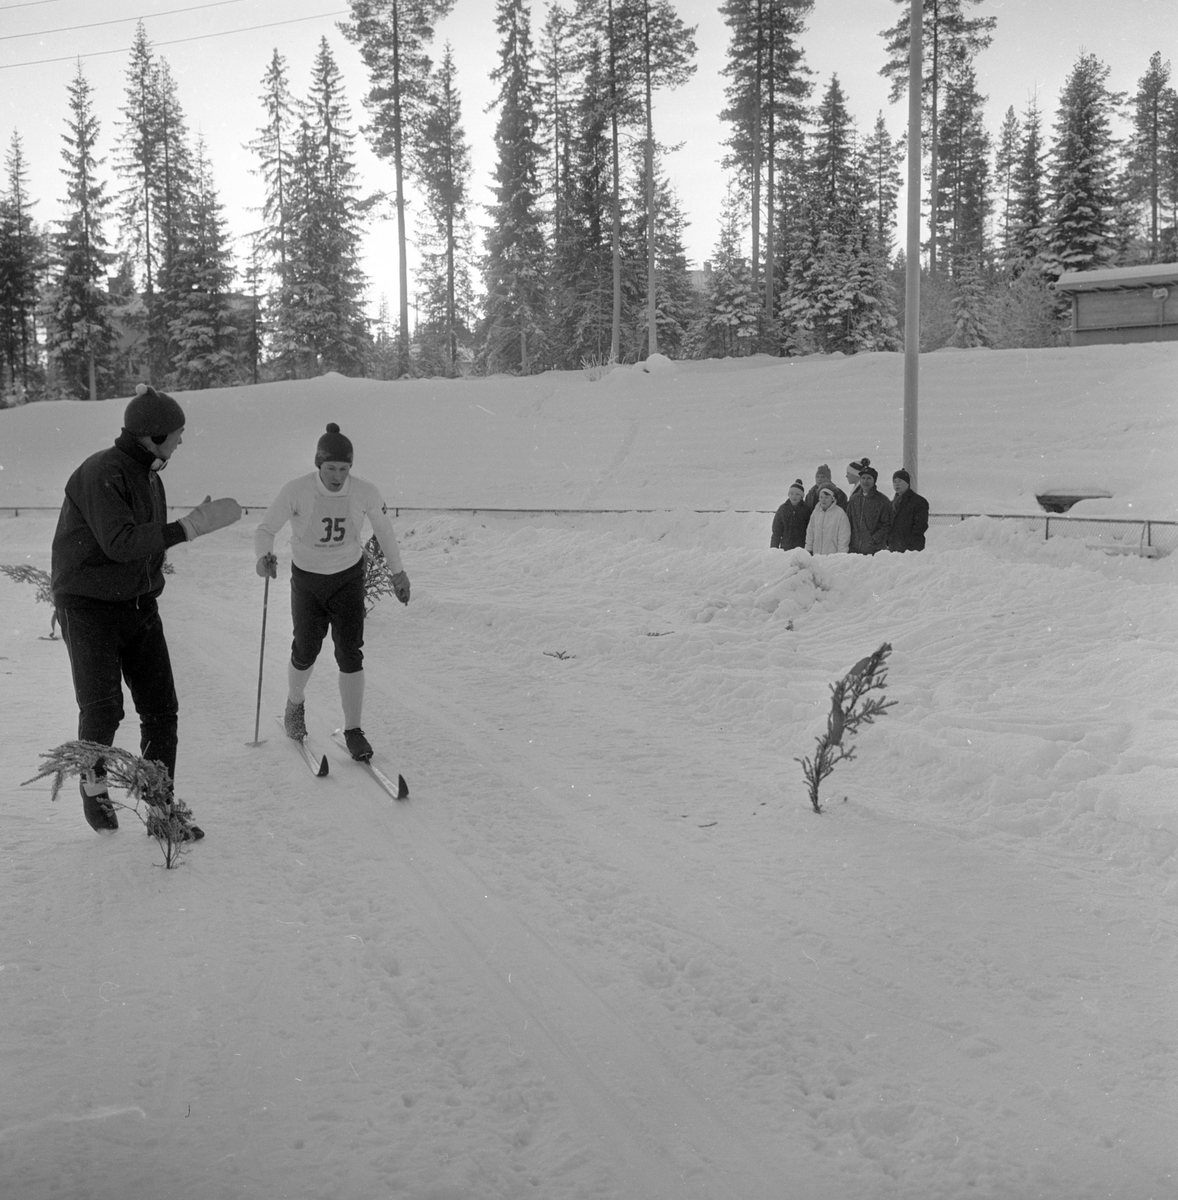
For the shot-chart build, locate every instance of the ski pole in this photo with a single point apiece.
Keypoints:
(261, 660)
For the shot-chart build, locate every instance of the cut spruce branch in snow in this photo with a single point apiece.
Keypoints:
(850, 708)
(25, 573)
(167, 819)
(378, 577)
(563, 655)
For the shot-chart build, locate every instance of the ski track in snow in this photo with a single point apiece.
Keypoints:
(605, 949)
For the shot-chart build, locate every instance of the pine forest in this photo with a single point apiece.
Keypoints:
(577, 258)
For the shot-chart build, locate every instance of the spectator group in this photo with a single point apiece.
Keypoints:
(827, 520)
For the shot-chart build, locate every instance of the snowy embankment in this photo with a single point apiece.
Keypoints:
(606, 949)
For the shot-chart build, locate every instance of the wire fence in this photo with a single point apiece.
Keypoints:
(1115, 535)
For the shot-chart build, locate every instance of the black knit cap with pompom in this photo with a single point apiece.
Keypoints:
(152, 414)
(333, 447)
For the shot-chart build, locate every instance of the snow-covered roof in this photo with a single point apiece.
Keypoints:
(1111, 278)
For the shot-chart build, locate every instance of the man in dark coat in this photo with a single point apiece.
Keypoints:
(821, 477)
(909, 515)
(870, 513)
(790, 520)
(108, 559)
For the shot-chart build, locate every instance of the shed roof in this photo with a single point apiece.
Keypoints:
(1113, 278)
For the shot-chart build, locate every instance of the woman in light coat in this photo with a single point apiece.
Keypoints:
(829, 531)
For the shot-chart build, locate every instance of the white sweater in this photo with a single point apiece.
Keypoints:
(326, 526)
(829, 531)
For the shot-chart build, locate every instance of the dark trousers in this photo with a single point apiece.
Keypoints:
(108, 643)
(322, 602)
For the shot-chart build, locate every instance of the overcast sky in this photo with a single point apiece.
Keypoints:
(1035, 45)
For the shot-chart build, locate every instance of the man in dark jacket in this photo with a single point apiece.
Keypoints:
(870, 513)
(107, 573)
(822, 477)
(909, 515)
(790, 520)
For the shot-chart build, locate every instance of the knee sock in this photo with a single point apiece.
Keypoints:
(296, 682)
(351, 692)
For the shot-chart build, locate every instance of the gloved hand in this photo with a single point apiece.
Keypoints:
(401, 586)
(267, 565)
(210, 514)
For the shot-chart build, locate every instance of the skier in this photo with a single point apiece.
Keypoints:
(789, 522)
(326, 510)
(107, 574)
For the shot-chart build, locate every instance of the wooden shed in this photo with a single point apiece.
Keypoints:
(1123, 304)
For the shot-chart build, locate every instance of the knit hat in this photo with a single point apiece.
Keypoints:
(857, 467)
(823, 472)
(333, 447)
(902, 474)
(865, 468)
(152, 414)
(826, 487)
(797, 483)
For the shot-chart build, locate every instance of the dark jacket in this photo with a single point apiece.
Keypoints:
(909, 522)
(113, 529)
(840, 497)
(871, 518)
(789, 526)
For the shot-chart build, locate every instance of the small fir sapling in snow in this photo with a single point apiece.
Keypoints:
(40, 580)
(167, 819)
(850, 707)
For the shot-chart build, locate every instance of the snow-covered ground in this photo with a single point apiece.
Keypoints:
(606, 949)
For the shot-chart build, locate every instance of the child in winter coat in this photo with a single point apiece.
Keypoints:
(829, 531)
(789, 522)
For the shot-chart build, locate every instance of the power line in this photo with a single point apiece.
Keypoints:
(34, 62)
(9, 37)
(27, 4)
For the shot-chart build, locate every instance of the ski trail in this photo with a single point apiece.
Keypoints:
(631, 1103)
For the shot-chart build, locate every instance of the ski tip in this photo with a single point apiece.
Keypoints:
(402, 788)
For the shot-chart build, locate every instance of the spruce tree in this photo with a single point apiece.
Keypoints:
(581, 274)
(1169, 177)
(880, 169)
(172, 186)
(769, 84)
(80, 337)
(444, 170)
(515, 320)
(675, 300)
(1006, 156)
(1147, 145)
(963, 201)
(1029, 203)
(392, 36)
(137, 164)
(667, 47)
(21, 256)
(730, 320)
(839, 297)
(202, 331)
(559, 59)
(1080, 233)
(321, 323)
(274, 147)
(969, 305)
(951, 39)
